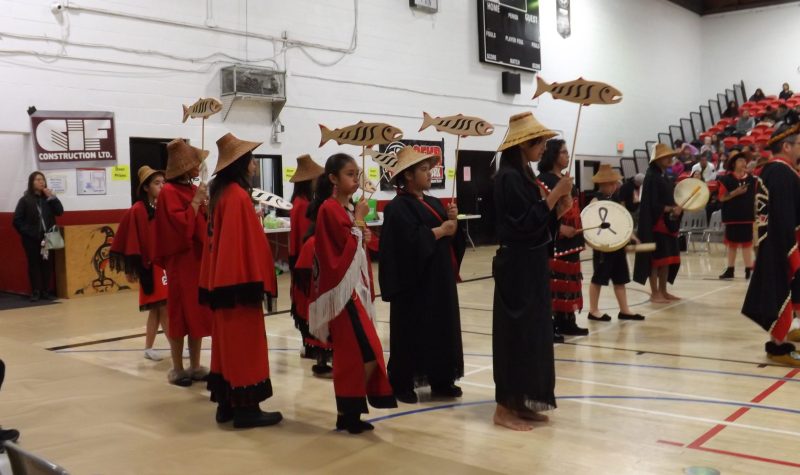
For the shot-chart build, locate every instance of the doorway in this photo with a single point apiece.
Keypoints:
(475, 191)
(146, 151)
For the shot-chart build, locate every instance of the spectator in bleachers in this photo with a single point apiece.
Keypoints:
(704, 168)
(786, 93)
(687, 155)
(758, 96)
(630, 194)
(745, 123)
(708, 146)
(677, 167)
(715, 143)
(783, 109)
(732, 111)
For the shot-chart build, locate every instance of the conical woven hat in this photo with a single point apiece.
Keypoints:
(606, 174)
(145, 173)
(662, 151)
(307, 169)
(407, 157)
(523, 127)
(182, 157)
(231, 148)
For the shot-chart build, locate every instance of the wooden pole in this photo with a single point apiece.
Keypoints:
(455, 175)
(574, 140)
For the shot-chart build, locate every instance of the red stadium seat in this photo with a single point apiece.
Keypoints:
(715, 129)
(747, 140)
(730, 141)
(703, 135)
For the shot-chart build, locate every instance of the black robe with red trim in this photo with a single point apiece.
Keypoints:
(657, 193)
(418, 276)
(774, 290)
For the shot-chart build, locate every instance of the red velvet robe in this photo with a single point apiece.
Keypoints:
(181, 236)
(301, 293)
(132, 253)
(299, 227)
(341, 308)
(237, 271)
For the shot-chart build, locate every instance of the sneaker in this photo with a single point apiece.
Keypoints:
(179, 378)
(152, 355)
(199, 374)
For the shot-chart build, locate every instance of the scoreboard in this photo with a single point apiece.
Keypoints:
(509, 33)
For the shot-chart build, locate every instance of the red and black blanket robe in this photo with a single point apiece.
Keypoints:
(181, 236)
(565, 265)
(299, 224)
(237, 272)
(774, 290)
(301, 293)
(418, 275)
(656, 225)
(132, 253)
(739, 210)
(341, 309)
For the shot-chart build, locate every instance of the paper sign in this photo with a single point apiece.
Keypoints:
(288, 173)
(467, 171)
(121, 173)
(451, 173)
(57, 183)
(373, 173)
(91, 181)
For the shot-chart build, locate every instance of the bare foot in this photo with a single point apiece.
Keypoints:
(527, 414)
(658, 298)
(504, 417)
(671, 297)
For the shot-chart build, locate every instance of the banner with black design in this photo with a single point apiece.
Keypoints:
(60, 136)
(432, 147)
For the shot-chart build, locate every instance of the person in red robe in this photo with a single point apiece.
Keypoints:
(301, 295)
(236, 273)
(181, 229)
(341, 305)
(303, 179)
(131, 253)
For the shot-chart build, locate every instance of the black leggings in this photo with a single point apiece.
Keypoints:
(38, 268)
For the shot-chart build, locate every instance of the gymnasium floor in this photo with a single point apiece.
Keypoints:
(690, 386)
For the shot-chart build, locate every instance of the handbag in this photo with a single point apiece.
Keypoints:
(53, 239)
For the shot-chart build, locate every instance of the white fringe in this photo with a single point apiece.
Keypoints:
(330, 304)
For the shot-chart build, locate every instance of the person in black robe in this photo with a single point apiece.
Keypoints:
(659, 221)
(421, 249)
(522, 330)
(566, 280)
(773, 296)
(737, 193)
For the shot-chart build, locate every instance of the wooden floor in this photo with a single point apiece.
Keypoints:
(688, 387)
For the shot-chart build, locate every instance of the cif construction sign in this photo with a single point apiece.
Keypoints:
(73, 136)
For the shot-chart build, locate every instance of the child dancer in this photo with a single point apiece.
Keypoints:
(237, 272)
(341, 304)
(131, 253)
(611, 266)
(737, 193)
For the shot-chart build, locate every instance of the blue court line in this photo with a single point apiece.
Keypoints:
(647, 398)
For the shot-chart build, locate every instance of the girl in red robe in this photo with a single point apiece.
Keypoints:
(237, 272)
(301, 294)
(131, 253)
(303, 180)
(181, 228)
(341, 304)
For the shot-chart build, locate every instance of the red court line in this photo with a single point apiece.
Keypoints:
(747, 456)
(669, 442)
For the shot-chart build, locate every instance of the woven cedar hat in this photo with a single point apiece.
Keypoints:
(606, 174)
(307, 169)
(730, 163)
(231, 149)
(523, 127)
(145, 173)
(662, 151)
(182, 157)
(407, 157)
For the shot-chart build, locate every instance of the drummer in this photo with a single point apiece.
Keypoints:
(610, 266)
(659, 221)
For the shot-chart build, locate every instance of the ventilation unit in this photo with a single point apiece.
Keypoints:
(250, 83)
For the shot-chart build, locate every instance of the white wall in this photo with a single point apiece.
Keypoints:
(405, 62)
(758, 46)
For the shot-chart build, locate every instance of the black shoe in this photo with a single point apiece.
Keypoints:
(47, 296)
(626, 316)
(449, 391)
(605, 318)
(322, 370)
(728, 274)
(224, 414)
(352, 423)
(8, 435)
(558, 337)
(747, 272)
(408, 397)
(35, 296)
(253, 416)
(570, 327)
(309, 352)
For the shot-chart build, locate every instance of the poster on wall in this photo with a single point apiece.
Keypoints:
(69, 137)
(91, 181)
(433, 147)
(562, 18)
(508, 33)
